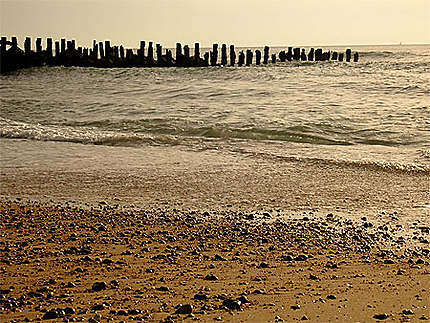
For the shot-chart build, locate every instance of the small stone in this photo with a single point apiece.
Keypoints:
(301, 258)
(99, 286)
(50, 315)
(263, 265)
(219, 258)
(420, 262)
(382, 316)
(70, 285)
(218, 318)
(243, 299)
(163, 289)
(121, 313)
(98, 307)
(304, 318)
(407, 312)
(232, 304)
(69, 311)
(184, 309)
(211, 277)
(295, 307)
(201, 297)
(331, 297)
(313, 277)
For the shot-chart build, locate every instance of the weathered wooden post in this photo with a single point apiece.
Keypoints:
(257, 57)
(348, 55)
(318, 54)
(355, 57)
(108, 50)
(266, 55)
(296, 55)
(241, 60)
(121, 52)
(150, 52)
(73, 45)
(249, 56)
(128, 55)
(3, 42)
(187, 55)
(232, 56)
(290, 54)
(214, 56)
(224, 54)
(27, 45)
(169, 57)
(57, 49)
(282, 56)
(273, 58)
(95, 53)
(340, 57)
(311, 54)
(102, 52)
(116, 52)
(196, 53)
(303, 56)
(334, 56)
(179, 57)
(159, 50)
(206, 59)
(142, 49)
(63, 45)
(49, 47)
(39, 45)
(14, 43)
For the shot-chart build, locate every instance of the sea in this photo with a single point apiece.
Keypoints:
(374, 112)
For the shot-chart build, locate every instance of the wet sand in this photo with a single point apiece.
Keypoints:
(238, 238)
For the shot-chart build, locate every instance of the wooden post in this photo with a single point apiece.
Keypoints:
(303, 56)
(57, 49)
(348, 55)
(241, 60)
(257, 57)
(282, 56)
(14, 43)
(115, 52)
(102, 52)
(232, 56)
(290, 54)
(266, 55)
(3, 45)
(108, 49)
(179, 57)
(187, 54)
(49, 47)
(95, 53)
(142, 49)
(159, 52)
(311, 54)
(206, 59)
(80, 51)
(318, 54)
(27, 45)
(121, 52)
(340, 57)
(214, 56)
(273, 58)
(150, 51)
(355, 57)
(224, 54)
(196, 53)
(249, 56)
(296, 55)
(334, 56)
(38, 45)
(73, 45)
(128, 55)
(85, 52)
(63, 45)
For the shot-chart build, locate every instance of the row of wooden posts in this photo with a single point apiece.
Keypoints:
(103, 54)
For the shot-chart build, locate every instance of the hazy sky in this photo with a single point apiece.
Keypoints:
(239, 22)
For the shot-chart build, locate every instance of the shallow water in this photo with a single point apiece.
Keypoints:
(376, 111)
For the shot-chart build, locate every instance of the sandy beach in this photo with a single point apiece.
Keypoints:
(173, 235)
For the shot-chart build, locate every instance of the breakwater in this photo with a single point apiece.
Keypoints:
(104, 54)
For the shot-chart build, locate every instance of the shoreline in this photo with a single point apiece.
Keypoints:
(297, 240)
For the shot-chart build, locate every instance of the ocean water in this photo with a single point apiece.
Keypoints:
(376, 111)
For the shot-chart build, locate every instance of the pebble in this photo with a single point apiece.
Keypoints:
(407, 312)
(184, 309)
(232, 304)
(382, 316)
(99, 286)
(211, 277)
(201, 297)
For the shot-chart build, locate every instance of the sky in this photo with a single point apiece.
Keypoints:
(239, 22)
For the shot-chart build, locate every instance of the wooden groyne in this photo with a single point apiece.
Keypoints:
(104, 54)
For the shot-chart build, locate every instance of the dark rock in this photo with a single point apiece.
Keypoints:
(304, 318)
(163, 289)
(389, 262)
(295, 307)
(184, 309)
(70, 285)
(382, 316)
(232, 304)
(133, 312)
(98, 307)
(201, 297)
(219, 258)
(407, 312)
(99, 286)
(107, 261)
(286, 258)
(211, 277)
(121, 313)
(331, 297)
(313, 277)
(263, 265)
(301, 258)
(50, 315)
(243, 299)
(69, 311)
